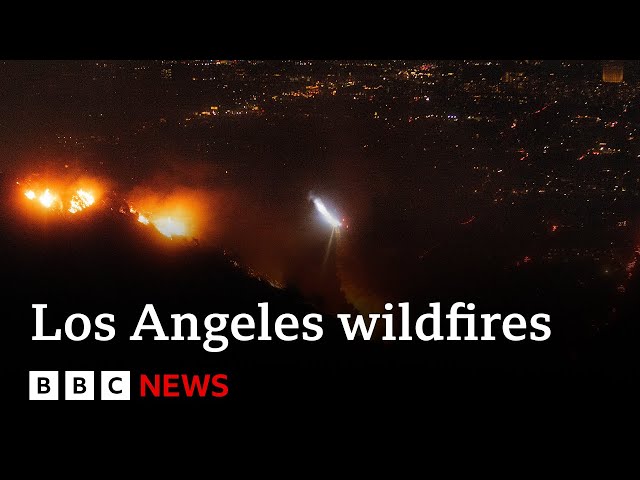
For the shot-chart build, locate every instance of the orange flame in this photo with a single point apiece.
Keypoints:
(167, 225)
(141, 218)
(177, 214)
(47, 198)
(170, 227)
(59, 195)
(172, 215)
(81, 200)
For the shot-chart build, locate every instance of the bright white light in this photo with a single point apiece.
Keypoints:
(169, 227)
(331, 220)
(46, 199)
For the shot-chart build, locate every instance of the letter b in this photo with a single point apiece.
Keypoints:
(43, 385)
(78, 385)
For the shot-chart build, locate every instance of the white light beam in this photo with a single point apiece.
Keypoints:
(331, 220)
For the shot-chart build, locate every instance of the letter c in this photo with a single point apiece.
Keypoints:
(111, 385)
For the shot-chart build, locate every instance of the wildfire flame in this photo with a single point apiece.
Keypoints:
(141, 218)
(81, 200)
(52, 200)
(172, 216)
(46, 199)
(170, 227)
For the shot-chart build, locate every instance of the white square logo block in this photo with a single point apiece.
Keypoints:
(115, 385)
(78, 385)
(43, 385)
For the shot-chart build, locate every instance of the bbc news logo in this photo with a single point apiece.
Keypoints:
(79, 385)
(116, 385)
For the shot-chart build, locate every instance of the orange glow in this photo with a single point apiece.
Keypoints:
(170, 227)
(64, 194)
(81, 200)
(70, 194)
(144, 219)
(176, 213)
(179, 213)
(47, 198)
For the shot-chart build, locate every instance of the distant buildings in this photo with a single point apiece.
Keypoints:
(612, 72)
(166, 73)
(511, 77)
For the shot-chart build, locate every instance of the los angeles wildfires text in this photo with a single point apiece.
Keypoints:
(288, 328)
